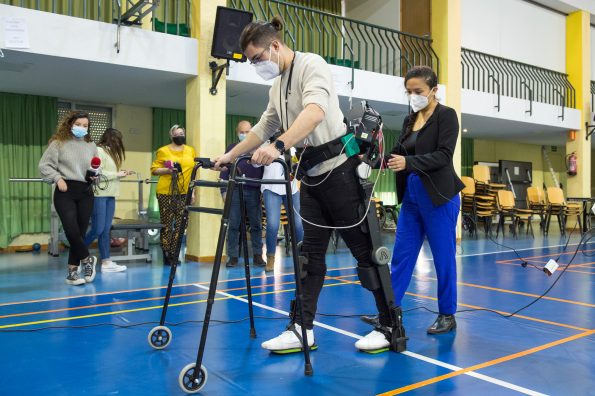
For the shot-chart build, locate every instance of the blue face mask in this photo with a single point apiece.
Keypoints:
(79, 132)
(242, 136)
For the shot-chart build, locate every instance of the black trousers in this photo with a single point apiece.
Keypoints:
(75, 207)
(338, 201)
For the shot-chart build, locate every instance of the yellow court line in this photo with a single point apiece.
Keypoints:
(489, 363)
(513, 292)
(8, 326)
(154, 288)
(342, 282)
(124, 302)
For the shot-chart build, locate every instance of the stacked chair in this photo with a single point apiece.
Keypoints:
(506, 208)
(557, 206)
(476, 207)
(536, 203)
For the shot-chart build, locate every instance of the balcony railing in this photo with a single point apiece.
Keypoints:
(343, 41)
(489, 73)
(170, 16)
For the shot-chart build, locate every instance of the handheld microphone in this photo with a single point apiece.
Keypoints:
(94, 170)
(175, 166)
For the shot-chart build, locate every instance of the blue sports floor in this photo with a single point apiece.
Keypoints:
(549, 348)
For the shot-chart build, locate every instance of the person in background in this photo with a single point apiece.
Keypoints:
(170, 196)
(253, 207)
(65, 162)
(112, 154)
(274, 195)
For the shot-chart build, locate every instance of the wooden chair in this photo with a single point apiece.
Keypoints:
(483, 185)
(506, 207)
(476, 207)
(536, 203)
(556, 205)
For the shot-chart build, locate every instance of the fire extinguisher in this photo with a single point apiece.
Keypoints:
(571, 165)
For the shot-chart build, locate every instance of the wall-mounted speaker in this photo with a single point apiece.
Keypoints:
(229, 24)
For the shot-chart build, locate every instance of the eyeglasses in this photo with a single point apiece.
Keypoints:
(257, 59)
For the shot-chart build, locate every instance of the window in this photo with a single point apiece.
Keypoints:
(100, 116)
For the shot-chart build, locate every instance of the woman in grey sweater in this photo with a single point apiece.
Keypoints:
(65, 162)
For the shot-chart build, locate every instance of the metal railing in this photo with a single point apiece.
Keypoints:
(171, 16)
(489, 73)
(343, 41)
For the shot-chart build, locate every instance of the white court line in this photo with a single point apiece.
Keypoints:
(410, 354)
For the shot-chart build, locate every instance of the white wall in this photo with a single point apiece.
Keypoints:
(77, 38)
(385, 13)
(136, 125)
(516, 30)
(514, 109)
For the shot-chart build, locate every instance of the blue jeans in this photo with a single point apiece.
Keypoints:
(272, 205)
(101, 223)
(252, 203)
(419, 218)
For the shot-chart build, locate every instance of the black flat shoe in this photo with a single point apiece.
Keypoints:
(443, 324)
(371, 320)
(232, 262)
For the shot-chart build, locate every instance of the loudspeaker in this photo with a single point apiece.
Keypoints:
(229, 24)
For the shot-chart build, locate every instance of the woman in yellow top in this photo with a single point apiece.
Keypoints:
(173, 164)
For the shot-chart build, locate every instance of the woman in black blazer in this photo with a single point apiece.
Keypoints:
(428, 188)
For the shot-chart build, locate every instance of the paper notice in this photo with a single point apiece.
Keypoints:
(15, 33)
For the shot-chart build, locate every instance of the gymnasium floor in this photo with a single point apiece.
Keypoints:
(547, 349)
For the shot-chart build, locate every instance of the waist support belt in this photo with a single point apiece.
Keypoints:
(316, 155)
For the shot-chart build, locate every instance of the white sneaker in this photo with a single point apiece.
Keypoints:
(89, 268)
(373, 341)
(110, 266)
(288, 340)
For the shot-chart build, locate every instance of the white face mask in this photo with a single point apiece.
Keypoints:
(267, 70)
(419, 102)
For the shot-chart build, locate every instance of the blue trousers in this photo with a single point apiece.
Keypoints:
(419, 218)
(272, 205)
(101, 224)
(254, 209)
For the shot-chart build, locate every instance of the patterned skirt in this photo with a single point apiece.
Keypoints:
(171, 212)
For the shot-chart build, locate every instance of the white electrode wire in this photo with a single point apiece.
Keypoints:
(369, 202)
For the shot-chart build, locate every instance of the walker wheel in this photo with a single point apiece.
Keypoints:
(186, 382)
(159, 337)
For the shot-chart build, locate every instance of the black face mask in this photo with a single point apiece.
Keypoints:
(179, 140)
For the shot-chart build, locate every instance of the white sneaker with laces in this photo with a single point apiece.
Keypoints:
(373, 341)
(288, 340)
(110, 266)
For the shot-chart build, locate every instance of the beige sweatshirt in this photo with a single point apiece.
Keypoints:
(311, 83)
(68, 160)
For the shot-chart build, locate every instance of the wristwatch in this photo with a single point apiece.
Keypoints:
(279, 145)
